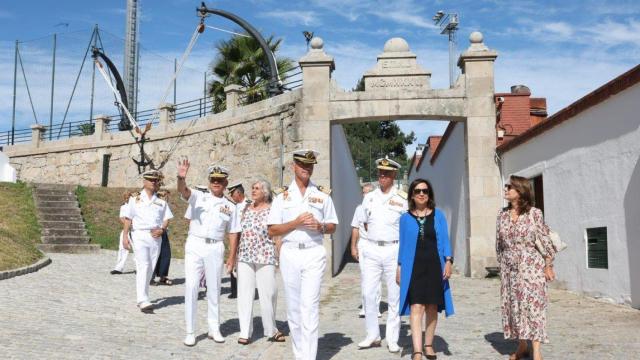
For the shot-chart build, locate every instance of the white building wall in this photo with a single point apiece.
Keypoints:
(7, 172)
(346, 193)
(448, 178)
(591, 177)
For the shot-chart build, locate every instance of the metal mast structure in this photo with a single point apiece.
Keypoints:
(131, 55)
(449, 25)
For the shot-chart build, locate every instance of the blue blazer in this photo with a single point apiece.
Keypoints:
(406, 254)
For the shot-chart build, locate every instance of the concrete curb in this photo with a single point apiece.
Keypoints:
(8, 274)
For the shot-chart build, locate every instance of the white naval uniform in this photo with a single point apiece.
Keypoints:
(146, 213)
(380, 252)
(358, 222)
(211, 218)
(122, 252)
(302, 263)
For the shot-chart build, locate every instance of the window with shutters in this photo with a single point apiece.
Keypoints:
(597, 248)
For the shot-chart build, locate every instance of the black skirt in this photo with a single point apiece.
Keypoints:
(426, 278)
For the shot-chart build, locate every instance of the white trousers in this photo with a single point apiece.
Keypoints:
(263, 277)
(360, 246)
(302, 271)
(122, 256)
(379, 261)
(198, 257)
(146, 250)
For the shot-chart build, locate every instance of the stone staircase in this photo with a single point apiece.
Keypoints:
(59, 215)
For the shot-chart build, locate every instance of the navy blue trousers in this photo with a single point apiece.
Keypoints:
(164, 260)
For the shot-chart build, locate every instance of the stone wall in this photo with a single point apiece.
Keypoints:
(247, 140)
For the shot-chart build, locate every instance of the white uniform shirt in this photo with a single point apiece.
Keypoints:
(382, 214)
(240, 209)
(291, 203)
(124, 209)
(358, 222)
(146, 213)
(211, 216)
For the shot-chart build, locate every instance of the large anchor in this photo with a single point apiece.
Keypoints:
(127, 122)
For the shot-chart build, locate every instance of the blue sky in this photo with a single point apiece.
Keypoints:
(561, 50)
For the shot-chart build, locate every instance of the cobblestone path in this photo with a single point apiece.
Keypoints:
(74, 309)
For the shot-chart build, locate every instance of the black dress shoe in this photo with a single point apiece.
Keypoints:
(116, 272)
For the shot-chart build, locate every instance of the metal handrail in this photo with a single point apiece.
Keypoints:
(183, 111)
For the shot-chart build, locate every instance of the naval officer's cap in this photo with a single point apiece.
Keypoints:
(152, 175)
(235, 186)
(387, 164)
(306, 156)
(218, 172)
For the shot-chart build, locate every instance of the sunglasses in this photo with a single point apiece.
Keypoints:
(508, 187)
(418, 191)
(153, 180)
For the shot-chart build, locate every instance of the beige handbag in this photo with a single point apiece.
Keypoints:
(558, 244)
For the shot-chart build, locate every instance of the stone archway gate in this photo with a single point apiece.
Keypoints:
(257, 139)
(398, 89)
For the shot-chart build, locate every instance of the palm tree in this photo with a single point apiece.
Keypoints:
(241, 61)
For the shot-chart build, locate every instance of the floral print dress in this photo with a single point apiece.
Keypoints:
(256, 247)
(523, 287)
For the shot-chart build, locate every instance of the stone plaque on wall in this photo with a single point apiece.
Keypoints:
(397, 68)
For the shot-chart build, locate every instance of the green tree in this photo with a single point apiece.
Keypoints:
(87, 128)
(241, 61)
(371, 140)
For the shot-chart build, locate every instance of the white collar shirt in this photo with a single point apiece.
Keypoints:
(359, 221)
(211, 216)
(147, 213)
(124, 209)
(291, 203)
(382, 214)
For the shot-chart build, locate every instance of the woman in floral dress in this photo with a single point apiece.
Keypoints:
(524, 271)
(257, 262)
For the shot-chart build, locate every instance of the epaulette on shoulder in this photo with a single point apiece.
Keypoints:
(134, 194)
(325, 190)
(402, 194)
(280, 190)
(163, 194)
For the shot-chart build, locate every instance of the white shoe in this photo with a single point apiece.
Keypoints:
(366, 343)
(216, 336)
(361, 313)
(145, 307)
(379, 314)
(393, 347)
(190, 340)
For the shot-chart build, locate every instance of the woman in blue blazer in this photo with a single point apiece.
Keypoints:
(424, 265)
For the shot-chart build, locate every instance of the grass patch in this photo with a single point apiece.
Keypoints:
(19, 229)
(101, 206)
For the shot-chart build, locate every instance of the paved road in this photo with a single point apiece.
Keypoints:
(73, 309)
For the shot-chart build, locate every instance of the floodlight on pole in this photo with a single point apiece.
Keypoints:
(449, 25)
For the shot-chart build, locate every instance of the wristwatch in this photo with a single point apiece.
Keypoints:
(324, 228)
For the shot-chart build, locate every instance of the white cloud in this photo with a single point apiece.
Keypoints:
(610, 33)
(294, 17)
(405, 12)
(559, 29)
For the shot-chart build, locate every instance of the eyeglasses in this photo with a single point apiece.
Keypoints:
(508, 187)
(418, 191)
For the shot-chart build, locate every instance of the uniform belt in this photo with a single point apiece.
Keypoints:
(383, 243)
(305, 245)
(207, 240)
